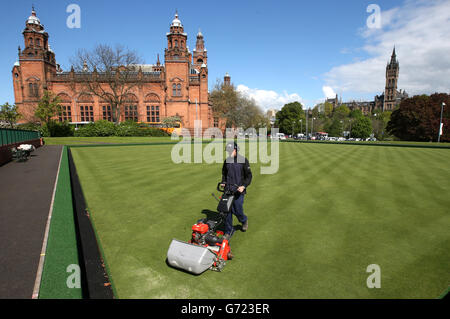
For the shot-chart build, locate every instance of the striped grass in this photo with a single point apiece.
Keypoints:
(315, 226)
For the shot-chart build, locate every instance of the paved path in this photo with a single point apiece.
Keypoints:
(26, 190)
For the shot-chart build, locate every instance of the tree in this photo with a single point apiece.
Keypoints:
(361, 128)
(250, 114)
(341, 112)
(237, 109)
(48, 107)
(328, 109)
(335, 128)
(108, 73)
(224, 99)
(379, 123)
(418, 117)
(170, 121)
(325, 109)
(9, 114)
(288, 119)
(356, 113)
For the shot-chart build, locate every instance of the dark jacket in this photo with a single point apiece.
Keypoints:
(237, 171)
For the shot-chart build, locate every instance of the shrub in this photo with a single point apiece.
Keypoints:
(128, 128)
(59, 129)
(43, 130)
(151, 131)
(99, 128)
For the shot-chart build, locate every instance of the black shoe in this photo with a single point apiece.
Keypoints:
(245, 226)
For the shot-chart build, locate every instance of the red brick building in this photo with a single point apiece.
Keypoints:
(177, 87)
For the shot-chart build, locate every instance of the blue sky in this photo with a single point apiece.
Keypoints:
(275, 51)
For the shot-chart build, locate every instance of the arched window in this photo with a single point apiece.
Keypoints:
(30, 41)
(38, 42)
(152, 101)
(179, 89)
(174, 89)
(130, 107)
(86, 108)
(66, 109)
(176, 43)
(33, 89)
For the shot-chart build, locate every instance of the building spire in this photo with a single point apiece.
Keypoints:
(393, 56)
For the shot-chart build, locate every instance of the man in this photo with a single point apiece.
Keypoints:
(236, 170)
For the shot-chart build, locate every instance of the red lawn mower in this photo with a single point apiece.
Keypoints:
(207, 249)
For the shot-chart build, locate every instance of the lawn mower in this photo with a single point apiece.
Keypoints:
(207, 248)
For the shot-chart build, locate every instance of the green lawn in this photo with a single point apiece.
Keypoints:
(314, 227)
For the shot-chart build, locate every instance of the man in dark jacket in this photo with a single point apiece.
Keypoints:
(236, 170)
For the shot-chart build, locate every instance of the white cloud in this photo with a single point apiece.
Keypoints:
(268, 99)
(420, 32)
(328, 92)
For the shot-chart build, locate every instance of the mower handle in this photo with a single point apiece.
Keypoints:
(222, 189)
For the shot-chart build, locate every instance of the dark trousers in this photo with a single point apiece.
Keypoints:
(237, 209)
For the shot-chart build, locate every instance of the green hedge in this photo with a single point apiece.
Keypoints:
(128, 128)
(52, 129)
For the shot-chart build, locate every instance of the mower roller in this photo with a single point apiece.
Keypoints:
(207, 248)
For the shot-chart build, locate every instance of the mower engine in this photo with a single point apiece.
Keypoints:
(204, 234)
(207, 249)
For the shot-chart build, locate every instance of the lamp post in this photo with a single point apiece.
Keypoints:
(440, 123)
(301, 123)
(306, 131)
(376, 123)
(312, 125)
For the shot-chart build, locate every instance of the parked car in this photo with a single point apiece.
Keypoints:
(279, 136)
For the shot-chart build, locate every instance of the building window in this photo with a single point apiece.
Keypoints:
(66, 114)
(153, 114)
(216, 122)
(33, 89)
(176, 43)
(87, 113)
(131, 113)
(107, 115)
(174, 90)
(38, 42)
